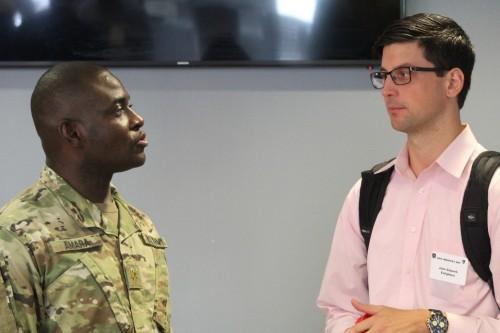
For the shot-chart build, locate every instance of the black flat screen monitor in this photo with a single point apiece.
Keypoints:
(193, 32)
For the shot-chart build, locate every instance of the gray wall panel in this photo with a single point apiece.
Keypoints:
(247, 170)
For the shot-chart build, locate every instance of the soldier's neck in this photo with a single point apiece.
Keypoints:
(94, 186)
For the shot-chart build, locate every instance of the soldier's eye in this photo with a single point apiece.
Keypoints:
(118, 111)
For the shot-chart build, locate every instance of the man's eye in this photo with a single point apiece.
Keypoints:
(121, 108)
(118, 111)
(402, 73)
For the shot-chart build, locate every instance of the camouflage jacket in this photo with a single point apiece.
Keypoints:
(62, 270)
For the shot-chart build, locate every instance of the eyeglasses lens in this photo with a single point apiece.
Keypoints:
(378, 79)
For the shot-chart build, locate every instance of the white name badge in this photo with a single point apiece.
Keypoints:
(449, 268)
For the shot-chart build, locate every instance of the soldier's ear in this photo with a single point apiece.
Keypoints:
(72, 131)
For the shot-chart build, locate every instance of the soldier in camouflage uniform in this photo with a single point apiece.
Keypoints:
(74, 255)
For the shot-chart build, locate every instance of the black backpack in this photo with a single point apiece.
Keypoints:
(473, 215)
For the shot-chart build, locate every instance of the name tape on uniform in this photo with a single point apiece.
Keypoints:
(158, 242)
(76, 244)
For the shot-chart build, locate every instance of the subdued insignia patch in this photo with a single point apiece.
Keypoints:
(76, 244)
(158, 242)
(133, 274)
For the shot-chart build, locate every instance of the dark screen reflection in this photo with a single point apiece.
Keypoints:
(163, 31)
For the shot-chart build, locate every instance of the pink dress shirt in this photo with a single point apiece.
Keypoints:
(418, 216)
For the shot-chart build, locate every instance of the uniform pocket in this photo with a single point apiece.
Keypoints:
(162, 294)
(8, 320)
(84, 299)
(161, 322)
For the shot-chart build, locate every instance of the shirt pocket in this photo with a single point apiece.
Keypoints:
(6, 299)
(445, 291)
(83, 298)
(161, 314)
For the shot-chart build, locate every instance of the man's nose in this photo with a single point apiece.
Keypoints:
(136, 120)
(389, 88)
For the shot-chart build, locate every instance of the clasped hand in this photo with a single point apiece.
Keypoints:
(385, 319)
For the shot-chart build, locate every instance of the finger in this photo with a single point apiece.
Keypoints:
(363, 326)
(366, 308)
(358, 305)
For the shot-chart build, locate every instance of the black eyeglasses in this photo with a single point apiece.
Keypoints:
(400, 75)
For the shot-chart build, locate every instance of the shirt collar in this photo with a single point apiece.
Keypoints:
(453, 159)
(401, 162)
(456, 156)
(78, 207)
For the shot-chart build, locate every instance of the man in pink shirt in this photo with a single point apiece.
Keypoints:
(426, 67)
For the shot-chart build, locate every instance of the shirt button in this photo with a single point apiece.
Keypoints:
(421, 191)
(413, 229)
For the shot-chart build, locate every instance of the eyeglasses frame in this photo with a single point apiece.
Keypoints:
(410, 70)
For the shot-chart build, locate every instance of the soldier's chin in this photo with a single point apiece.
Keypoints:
(139, 161)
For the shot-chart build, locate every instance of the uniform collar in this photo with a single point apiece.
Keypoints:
(78, 207)
(452, 160)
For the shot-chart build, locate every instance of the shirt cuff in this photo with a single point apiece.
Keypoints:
(461, 324)
(341, 325)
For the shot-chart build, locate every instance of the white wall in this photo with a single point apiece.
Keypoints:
(247, 170)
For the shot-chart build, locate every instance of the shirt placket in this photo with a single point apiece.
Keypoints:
(417, 210)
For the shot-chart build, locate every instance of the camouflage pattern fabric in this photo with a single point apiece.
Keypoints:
(6, 318)
(63, 270)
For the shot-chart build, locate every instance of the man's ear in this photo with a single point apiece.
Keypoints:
(455, 82)
(72, 132)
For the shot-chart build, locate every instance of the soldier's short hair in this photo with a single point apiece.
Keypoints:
(58, 84)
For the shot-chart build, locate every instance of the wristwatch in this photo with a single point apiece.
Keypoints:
(437, 322)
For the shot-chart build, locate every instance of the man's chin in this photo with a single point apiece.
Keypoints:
(140, 161)
(398, 126)
(134, 164)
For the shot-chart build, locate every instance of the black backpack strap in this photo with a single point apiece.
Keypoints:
(371, 195)
(474, 214)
